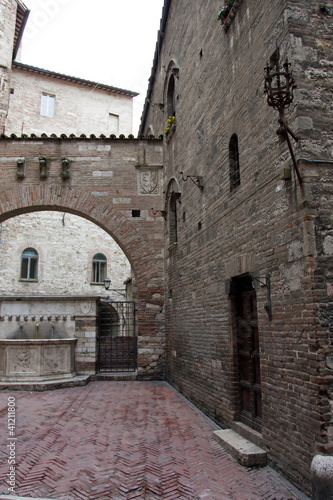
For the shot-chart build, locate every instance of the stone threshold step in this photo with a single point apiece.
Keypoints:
(245, 452)
(46, 385)
(115, 376)
(13, 497)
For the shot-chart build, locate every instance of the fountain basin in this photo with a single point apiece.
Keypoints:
(35, 360)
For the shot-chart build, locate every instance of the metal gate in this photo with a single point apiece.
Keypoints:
(116, 336)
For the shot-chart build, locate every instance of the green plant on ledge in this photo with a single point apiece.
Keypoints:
(225, 11)
(170, 121)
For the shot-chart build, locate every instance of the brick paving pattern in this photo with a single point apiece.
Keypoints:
(124, 440)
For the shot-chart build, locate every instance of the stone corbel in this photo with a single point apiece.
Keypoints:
(21, 168)
(65, 167)
(43, 167)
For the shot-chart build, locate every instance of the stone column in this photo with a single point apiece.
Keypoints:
(322, 477)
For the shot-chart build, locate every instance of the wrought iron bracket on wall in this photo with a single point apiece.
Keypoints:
(265, 281)
(196, 179)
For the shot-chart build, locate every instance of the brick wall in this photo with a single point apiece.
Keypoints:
(265, 226)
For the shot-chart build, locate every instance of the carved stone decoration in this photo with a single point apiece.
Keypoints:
(24, 359)
(149, 182)
(43, 167)
(21, 168)
(84, 308)
(65, 167)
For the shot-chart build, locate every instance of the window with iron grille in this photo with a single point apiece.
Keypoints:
(98, 268)
(29, 264)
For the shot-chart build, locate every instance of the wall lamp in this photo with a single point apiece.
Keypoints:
(279, 87)
(107, 283)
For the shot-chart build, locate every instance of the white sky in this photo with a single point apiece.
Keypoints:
(106, 41)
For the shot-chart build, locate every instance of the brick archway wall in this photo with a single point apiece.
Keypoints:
(141, 240)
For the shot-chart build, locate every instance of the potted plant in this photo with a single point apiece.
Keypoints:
(225, 11)
(169, 124)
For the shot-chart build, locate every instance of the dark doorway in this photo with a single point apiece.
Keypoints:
(245, 323)
(116, 337)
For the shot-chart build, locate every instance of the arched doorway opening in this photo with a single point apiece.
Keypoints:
(143, 252)
(54, 265)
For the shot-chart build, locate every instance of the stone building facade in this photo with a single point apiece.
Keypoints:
(114, 183)
(103, 173)
(42, 101)
(39, 101)
(248, 246)
(220, 219)
(66, 246)
(13, 15)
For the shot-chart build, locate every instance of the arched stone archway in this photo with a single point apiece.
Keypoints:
(36, 198)
(140, 239)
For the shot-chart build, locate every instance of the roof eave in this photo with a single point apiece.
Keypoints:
(81, 81)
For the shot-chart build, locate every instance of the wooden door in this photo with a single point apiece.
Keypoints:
(248, 359)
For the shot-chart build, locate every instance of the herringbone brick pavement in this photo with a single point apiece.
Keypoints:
(124, 440)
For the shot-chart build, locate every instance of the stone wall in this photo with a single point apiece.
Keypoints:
(66, 245)
(7, 30)
(78, 109)
(265, 225)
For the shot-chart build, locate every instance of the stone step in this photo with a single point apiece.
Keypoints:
(13, 497)
(116, 376)
(46, 385)
(245, 452)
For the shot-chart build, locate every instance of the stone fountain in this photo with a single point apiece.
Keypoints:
(37, 349)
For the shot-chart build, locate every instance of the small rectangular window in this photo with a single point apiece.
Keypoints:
(113, 124)
(47, 105)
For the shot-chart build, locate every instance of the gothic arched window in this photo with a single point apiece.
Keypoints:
(171, 101)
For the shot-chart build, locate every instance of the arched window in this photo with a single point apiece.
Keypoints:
(173, 220)
(234, 162)
(98, 268)
(29, 264)
(171, 104)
